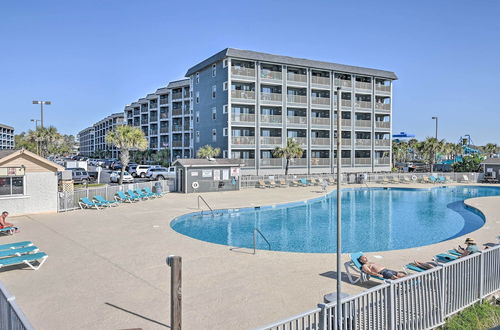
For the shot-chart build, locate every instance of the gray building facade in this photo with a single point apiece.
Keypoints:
(86, 141)
(6, 137)
(94, 137)
(248, 103)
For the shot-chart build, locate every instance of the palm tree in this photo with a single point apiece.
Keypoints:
(47, 139)
(207, 151)
(399, 152)
(125, 138)
(430, 148)
(490, 149)
(292, 150)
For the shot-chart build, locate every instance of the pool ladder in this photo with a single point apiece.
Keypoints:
(204, 201)
(255, 231)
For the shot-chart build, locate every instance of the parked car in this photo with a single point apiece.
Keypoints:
(115, 177)
(116, 165)
(80, 176)
(140, 170)
(129, 165)
(160, 173)
(131, 169)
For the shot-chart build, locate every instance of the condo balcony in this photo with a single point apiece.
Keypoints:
(363, 101)
(271, 97)
(144, 107)
(177, 95)
(271, 140)
(300, 140)
(176, 128)
(363, 83)
(363, 123)
(187, 126)
(382, 161)
(243, 94)
(153, 104)
(383, 124)
(319, 97)
(320, 162)
(362, 161)
(382, 86)
(163, 130)
(164, 99)
(320, 141)
(320, 121)
(301, 99)
(298, 162)
(383, 103)
(343, 80)
(153, 119)
(153, 131)
(346, 103)
(243, 140)
(298, 120)
(320, 78)
(271, 119)
(271, 162)
(242, 69)
(271, 72)
(243, 117)
(346, 142)
(177, 112)
(346, 122)
(177, 143)
(297, 75)
(382, 142)
(144, 121)
(363, 142)
(248, 162)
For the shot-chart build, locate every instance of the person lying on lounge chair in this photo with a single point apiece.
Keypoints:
(4, 223)
(424, 265)
(374, 269)
(470, 248)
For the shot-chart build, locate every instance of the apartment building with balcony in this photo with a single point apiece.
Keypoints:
(101, 128)
(6, 137)
(165, 117)
(248, 103)
(86, 142)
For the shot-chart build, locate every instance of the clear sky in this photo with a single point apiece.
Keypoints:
(92, 57)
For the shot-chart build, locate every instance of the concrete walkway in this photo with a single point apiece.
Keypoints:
(106, 269)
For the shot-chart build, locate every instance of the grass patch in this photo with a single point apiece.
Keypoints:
(478, 316)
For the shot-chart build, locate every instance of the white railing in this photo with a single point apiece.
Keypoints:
(318, 80)
(383, 106)
(300, 140)
(245, 95)
(346, 142)
(382, 142)
(343, 83)
(344, 122)
(248, 162)
(11, 316)
(362, 161)
(243, 140)
(297, 99)
(243, 117)
(273, 97)
(296, 77)
(273, 140)
(320, 141)
(320, 121)
(270, 75)
(363, 85)
(245, 72)
(363, 105)
(296, 120)
(419, 301)
(363, 142)
(320, 100)
(271, 119)
(363, 123)
(298, 162)
(346, 103)
(271, 162)
(69, 200)
(382, 161)
(382, 88)
(320, 161)
(382, 124)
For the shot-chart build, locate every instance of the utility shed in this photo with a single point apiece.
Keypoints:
(206, 175)
(28, 183)
(492, 167)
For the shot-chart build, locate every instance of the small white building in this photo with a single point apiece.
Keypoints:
(28, 183)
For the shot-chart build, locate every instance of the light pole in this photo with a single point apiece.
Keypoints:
(36, 122)
(436, 118)
(41, 109)
(339, 215)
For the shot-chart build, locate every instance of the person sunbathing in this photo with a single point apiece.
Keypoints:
(470, 248)
(424, 265)
(374, 269)
(4, 223)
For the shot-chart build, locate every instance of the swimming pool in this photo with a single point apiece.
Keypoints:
(373, 219)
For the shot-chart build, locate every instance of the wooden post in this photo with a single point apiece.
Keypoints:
(175, 263)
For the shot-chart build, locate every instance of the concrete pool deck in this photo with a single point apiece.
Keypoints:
(106, 269)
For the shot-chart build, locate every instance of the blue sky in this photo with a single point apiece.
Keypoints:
(90, 58)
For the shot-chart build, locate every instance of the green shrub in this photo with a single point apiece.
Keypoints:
(478, 316)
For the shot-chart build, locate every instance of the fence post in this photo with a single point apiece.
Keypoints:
(481, 275)
(175, 263)
(391, 310)
(443, 294)
(322, 317)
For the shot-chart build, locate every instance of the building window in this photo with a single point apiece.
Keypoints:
(11, 186)
(224, 63)
(224, 108)
(197, 97)
(214, 113)
(197, 116)
(197, 136)
(224, 153)
(214, 70)
(197, 77)
(224, 131)
(214, 91)
(225, 86)
(214, 135)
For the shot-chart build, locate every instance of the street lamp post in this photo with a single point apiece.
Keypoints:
(339, 215)
(436, 118)
(41, 109)
(36, 122)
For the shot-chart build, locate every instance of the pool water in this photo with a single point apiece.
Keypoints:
(373, 219)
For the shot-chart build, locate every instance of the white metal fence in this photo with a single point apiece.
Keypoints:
(69, 200)
(11, 316)
(419, 301)
(251, 181)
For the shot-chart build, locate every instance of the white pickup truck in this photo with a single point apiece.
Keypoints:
(161, 173)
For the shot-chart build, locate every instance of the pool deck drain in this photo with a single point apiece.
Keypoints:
(106, 269)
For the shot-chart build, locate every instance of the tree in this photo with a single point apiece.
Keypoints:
(490, 149)
(469, 163)
(208, 151)
(161, 157)
(292, 150)
(430, 148)
(45, 141)
(126, 137)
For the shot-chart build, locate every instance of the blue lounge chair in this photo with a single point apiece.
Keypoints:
(86, 203)
(444, 258)
(433, 179)
(132, 194)
(441, 179)
(454, 253)
(149, 191)
(304, 182)
(415, 268)
(26, 259)
(18, 252)
(121, 197)
(143, 194)
(104, 201)
(8, 230)
(15, 245)
(355, 265)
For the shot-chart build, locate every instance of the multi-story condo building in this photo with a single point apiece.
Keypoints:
(86, 141)
(165, 117)
(6, 137)
(248, 103)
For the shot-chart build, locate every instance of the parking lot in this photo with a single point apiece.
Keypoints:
(105, 174)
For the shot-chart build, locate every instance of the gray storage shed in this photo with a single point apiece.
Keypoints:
(206, 175)
(492, 167)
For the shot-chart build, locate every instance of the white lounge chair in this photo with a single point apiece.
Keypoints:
(26, 259)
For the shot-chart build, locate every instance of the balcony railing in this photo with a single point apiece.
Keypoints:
(271, 75)
(163, 115)
(382, 142)
(320, 121)
(271, 162)
(244, 95)
(320, 100)
(243, 117)
(248, 162)
(320, 161)
(318, 80)
(363, 85)
(302, 120)
(363, 105)
(382, 88)
(302, 78)
(382, 161)
(297, 99)
(244, 72)
(153, 119)
(164, 101)
(247, 140)
(153, 145)
(346, 103)
(382, 106)
(345, 122)
(298, 162)
(271, 119)
(144, 122)
(176, 144)
(274, 140)
(345, 161)
(320, 141)
(153, 132)
(343, 83)
(273, 97)
(300, 140)
(346, 142)
(187, 126)
(177, 112)
(363, 123)
(362, 161)
(382, 124)
(163, 130)
(176, 128)
(176, 96)
(363, 142)
(187, 144)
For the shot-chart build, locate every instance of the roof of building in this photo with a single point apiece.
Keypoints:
(6, 126)
(178, 83)
(257, 56)
(203, 162)
(6, 155)
(491, 161)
